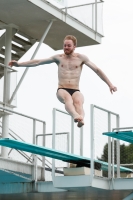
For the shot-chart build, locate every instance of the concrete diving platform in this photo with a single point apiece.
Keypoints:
(33, 16)
(78, 186)
(46, 190)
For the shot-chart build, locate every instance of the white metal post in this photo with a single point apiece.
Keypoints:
(33, 156)
(35, 183)
(43, 157)
(95, 18)
(34, 132)
(92, 140)
(6, 96)
(109, 146)
(81, 141)
(72, 135)
(65, 4)
(112, 157)
(53, 142)
(68, 145)
(118, 148)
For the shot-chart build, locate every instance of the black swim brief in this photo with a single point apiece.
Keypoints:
(70, 91)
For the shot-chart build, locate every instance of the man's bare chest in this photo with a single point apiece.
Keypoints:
(70, 64)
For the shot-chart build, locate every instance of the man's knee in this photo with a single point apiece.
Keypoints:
(65, 100)
(78, 102)
(64, 96)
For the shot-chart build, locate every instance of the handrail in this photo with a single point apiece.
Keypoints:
(34, 129)
(6, 109)
(21, 152)
(2, 65)
(103, 109)
(93, 25)
(92, 143)
(44, 135)
(123, 128)
(46, 164)
(87, 4)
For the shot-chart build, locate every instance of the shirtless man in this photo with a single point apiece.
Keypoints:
(70, 65)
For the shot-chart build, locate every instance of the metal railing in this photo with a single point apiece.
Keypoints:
(27, 157)
(70, 139)
(118, 152)
(92, 140)
(10, 68)
(33, 158)
(4, 78)
(33, 135)
(44, 142)
(93, 8)
(90, 12)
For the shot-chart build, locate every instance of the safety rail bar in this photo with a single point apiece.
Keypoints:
(34, 132)
(21, 114)
(118, 151)
(87, 4)
(28, 158)
(94, 14)
(35, 141)
(44, 135)
(72, 137)
(4, 66)
(92, 142)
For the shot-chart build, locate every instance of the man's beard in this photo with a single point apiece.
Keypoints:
(68, 52)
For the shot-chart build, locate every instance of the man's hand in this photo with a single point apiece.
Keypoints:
(113, 89)
(13, 63)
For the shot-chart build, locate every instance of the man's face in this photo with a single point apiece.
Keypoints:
(68, 47)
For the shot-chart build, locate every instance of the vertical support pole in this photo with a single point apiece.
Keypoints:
(112, 157)
(6, 95)
(65, 3)
(118, 148)
(36, 165)
(34, 156)
(34, 131)
(68, 145)
(81, 141)
(92, 140)
(109, 146)
(72, 135)
(53, 142)
(43, 157)
(95, 18)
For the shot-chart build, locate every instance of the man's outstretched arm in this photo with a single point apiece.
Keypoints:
(33, 63)
(100, 73)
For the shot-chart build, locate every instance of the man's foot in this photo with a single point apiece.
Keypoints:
(78, 119)
(80, 124)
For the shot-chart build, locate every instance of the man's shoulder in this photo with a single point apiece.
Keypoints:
(79, 55)
(58, 56)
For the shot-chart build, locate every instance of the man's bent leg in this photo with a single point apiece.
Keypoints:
(78, 101)
(64, 97)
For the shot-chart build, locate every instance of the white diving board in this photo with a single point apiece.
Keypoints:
(52, 153)
(121, 135)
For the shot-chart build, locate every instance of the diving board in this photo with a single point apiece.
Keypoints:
(52, 153)
(121, 135)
